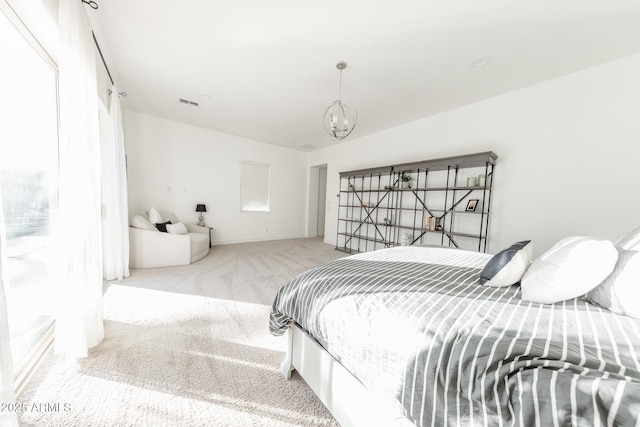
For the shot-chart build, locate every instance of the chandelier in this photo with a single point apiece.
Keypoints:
(339, 119)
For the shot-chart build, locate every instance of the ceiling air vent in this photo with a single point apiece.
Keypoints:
(308, 147)
(188, 103)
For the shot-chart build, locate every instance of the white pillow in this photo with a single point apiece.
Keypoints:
(155, 217)
(507, 266)
(177, 228)
(138, 221)
(572, 267)
(620, 291)
(631, 241)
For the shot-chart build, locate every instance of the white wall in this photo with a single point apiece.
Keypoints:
(568, 149)
(173, 166)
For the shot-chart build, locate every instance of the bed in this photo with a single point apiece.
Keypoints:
(407, 336)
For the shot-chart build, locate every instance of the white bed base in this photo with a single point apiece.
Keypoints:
(345, 397)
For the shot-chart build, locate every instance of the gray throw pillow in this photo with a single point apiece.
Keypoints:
(508, 266)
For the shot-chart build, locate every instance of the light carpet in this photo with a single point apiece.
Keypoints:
(188, 346)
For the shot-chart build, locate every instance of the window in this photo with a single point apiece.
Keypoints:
(28, 182)
(254, 186)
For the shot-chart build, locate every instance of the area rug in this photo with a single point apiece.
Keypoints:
(187, 346)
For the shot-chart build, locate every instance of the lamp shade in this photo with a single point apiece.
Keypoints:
(201, 208)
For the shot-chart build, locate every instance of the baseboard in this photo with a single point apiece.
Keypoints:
(264, 239)
(329, 241)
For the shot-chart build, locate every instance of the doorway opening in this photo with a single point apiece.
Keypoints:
(317, 200)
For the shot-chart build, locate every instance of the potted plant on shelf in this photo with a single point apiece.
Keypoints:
(406, 180)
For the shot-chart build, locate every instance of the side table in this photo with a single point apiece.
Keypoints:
(210, 230)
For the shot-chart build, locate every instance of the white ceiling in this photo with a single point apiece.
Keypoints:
(268, 67)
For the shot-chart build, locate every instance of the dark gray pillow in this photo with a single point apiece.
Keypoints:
(162, 226)
(508, 266)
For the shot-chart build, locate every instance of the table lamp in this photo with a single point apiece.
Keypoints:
(201, 208)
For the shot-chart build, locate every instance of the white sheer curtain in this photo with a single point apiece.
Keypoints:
(115, 223)
(79, 233)
(7, 393)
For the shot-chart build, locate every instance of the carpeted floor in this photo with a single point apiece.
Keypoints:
(188, 346)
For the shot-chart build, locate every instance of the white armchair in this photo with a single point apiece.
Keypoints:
(149, 247)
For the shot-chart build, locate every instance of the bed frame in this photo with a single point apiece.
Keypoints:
(345, 397)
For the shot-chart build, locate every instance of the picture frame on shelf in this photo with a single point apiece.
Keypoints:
(472, 204)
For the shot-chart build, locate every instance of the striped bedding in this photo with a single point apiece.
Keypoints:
(413, 324)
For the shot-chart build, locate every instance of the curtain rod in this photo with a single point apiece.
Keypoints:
(94, 6)
(102, 57)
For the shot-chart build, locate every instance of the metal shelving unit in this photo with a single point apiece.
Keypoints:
(376, 211)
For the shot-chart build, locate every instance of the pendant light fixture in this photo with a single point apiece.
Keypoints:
(339, 119)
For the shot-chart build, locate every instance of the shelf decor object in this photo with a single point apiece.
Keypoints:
(339, 119)
(442, 207)
(406, 180)
(201, 208)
